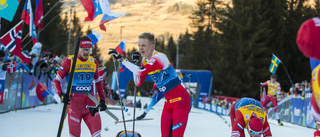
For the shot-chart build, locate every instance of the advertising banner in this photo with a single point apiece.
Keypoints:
(309, 121)
(297, 106)
(2, 85)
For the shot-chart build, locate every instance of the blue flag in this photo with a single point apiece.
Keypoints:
(274, 64)
(8, 9)
(95, 37)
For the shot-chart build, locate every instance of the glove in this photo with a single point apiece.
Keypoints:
(102, 105)
(141, 116)
(65, 98)
(135, 57)
(115, 54)
(93, 110)
(261, 84)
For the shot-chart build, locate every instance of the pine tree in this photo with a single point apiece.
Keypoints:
(171, 51)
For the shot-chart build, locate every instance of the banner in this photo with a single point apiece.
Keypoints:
(297, 104)
(309, 121)
(2, 85)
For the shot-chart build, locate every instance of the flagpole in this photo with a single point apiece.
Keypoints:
(285, 70)
(47, 23)
(287, 74)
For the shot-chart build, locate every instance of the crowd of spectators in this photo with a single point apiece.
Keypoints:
(41, 63)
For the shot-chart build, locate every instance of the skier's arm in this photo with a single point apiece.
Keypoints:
(238, 126)
(264, 83)
(62, 72)
(266, 129)
(155, 63)
(279, 88)
(98, 81)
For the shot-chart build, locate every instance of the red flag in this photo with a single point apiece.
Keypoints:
(11, 67)
(33, 84)
(38, 14)
(25, 15)
(89, 6)
(121, 48)
(12, 41)
(41, 91)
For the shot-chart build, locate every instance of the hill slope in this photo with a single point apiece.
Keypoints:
(141, 17)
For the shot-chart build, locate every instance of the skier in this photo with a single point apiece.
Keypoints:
(273, 89)
(248, 113)
(157, 66)
(85, 73)
(309, 44)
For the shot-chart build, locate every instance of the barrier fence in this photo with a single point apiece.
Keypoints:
(18, 90)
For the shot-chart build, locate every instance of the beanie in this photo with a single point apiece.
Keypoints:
(255, 124)
(308, 38)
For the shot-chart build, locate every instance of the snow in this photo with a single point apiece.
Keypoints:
(44, 121)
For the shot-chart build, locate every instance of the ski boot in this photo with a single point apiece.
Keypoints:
(279, 122)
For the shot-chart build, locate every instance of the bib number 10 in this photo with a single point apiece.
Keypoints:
(85, 76)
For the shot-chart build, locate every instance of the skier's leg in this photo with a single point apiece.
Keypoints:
(179, 123)
(74, 122)
(93, 123)
(166, 119)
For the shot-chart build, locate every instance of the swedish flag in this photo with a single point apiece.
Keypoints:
(274, 64)
(8, 8)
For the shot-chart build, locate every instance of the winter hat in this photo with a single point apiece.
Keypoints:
(255, 123)
(37, 45)
(2, 54)
(308, 38)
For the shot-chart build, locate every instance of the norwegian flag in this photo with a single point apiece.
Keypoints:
(12, 41)
(11, 67)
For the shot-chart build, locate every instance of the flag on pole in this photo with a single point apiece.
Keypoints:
(8, 9)
(97, 7)
(42, 91)
(274, 64)
(95, 37)
(27, 16)
(38, 14)
(11, 67)
(12, 41)
(121, 48)
(108, 15)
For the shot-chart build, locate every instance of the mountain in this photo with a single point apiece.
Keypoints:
(158, 17)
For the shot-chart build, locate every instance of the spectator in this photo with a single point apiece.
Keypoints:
(35, 52)
(2, 57)
(307, 88)
(297, 90)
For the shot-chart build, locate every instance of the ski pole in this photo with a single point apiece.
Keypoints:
(63, 115)
(134, 100)
(117, 82)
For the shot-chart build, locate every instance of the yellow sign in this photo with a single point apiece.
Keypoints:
(175, 99)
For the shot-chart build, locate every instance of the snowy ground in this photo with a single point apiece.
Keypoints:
(44, 120)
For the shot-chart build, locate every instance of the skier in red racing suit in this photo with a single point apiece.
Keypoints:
(86, 72)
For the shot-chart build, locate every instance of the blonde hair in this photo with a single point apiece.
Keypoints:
(149, 36)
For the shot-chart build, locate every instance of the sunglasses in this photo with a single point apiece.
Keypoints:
(253, 132)
(86, 49)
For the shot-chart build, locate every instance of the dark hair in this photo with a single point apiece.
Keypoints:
(273, 76)
(2, 54)
(85, 38)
